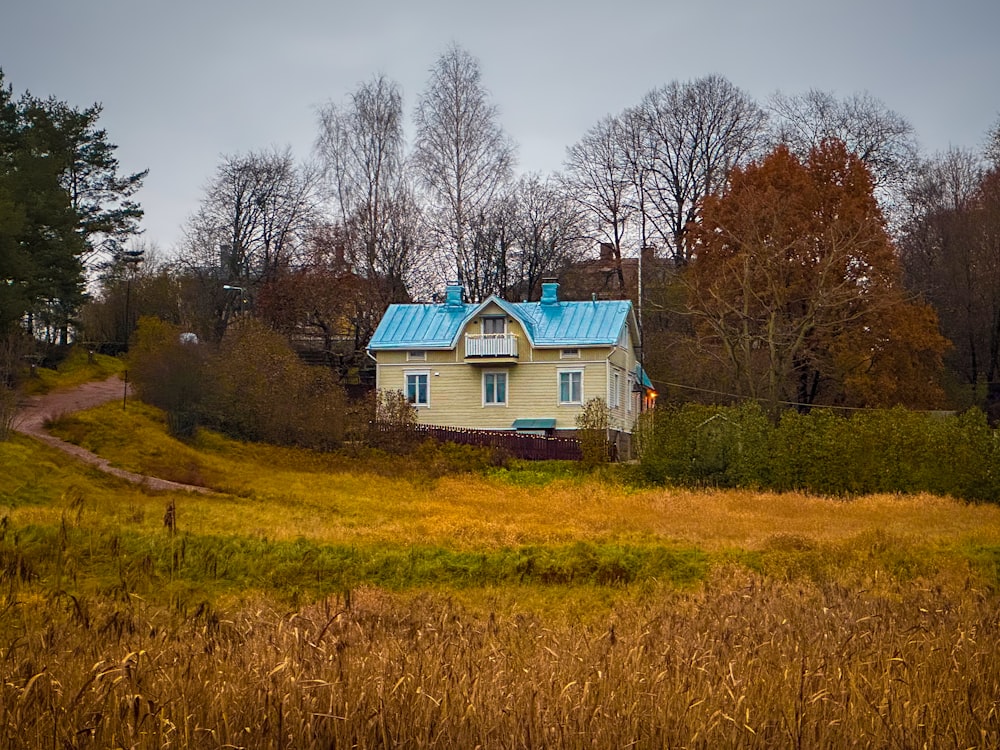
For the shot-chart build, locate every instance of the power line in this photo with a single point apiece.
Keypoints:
(796, 404)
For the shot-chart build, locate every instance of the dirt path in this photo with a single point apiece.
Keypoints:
(35, 410)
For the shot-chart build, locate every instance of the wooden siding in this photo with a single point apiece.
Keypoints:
(456, 392)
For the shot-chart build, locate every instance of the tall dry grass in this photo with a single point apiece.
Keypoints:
(745, 662)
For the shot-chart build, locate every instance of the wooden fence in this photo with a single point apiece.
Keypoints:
(519, 445)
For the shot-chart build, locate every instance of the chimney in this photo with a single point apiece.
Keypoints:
(550, 292)
(453, 295)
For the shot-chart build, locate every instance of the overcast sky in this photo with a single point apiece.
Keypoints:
(184, 82)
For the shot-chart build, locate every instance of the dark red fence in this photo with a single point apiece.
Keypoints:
(519, 445)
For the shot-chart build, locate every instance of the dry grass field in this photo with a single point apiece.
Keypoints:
(319, 601)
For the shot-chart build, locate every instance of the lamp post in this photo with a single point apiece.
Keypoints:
(241, 290)
(131, 259)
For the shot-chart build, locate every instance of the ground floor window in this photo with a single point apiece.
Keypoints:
(571, 387)
(495, 388)
(418, 388)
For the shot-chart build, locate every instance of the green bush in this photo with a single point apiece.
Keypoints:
(892, 450)
(592, 430)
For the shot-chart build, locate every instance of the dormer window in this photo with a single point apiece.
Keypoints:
(494, 324)
(569, 354)
(416, 356)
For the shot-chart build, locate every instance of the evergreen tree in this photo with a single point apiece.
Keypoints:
(60, 197)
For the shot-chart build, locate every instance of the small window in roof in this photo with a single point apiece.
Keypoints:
(569, 354)
(416, 356)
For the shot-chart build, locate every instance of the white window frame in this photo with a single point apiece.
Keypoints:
(406, 387)
(506, 388)
(416, 355)
(629, 381)
(573, 353)
(501, 318)
(559, 381)
(615, 390)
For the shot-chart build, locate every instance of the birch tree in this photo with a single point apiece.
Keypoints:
(461, 156)
(361, 145)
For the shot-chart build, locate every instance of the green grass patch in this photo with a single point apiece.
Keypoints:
(79, 367)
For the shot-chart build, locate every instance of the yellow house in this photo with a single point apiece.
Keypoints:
(523, 366)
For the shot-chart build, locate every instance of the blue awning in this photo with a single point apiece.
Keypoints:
(643, 378)
(534, 424)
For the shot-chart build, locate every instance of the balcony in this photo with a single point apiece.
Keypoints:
(491, 348)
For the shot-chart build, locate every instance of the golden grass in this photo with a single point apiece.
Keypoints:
(747, 662)
(821, 623)
(283, 493)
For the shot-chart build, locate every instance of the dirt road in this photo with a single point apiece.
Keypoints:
(35, 410)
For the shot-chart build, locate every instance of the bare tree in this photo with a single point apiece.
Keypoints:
(361, 146)
(950, 249)
(547, 234)
(992, 150)
(882, 139)
(697, 133)
(254, 220)
(461, 155)
(256, 213)
(599, 178)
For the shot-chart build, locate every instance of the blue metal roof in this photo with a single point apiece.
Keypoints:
(562, 324)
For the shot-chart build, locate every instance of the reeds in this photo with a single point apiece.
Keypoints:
(746, 661)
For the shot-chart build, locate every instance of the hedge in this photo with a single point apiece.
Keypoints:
(894, 450)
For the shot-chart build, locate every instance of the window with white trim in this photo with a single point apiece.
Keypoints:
(494, 388)
(494, 324)
(418, 388)
(615, 397)
(569, 354)
(416, 356)
(571, 386)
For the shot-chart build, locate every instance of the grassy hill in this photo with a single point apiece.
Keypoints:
(316, 600)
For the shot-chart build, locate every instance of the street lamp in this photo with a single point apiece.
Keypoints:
(131, 259)
(241, 290)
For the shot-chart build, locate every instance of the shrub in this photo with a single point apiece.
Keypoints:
(894, 450)
(253, 387)
(171, 375)
(592, 429)
(266, 393)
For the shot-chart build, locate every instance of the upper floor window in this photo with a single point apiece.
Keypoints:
(494, 324)
(416, 356)
(569, 354)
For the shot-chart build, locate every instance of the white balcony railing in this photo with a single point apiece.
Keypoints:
(491, 345)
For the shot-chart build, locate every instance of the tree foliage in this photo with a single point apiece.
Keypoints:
(796, 289)
(61, 195)
(882, 139)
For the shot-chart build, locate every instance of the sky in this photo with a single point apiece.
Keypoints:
(185, 82)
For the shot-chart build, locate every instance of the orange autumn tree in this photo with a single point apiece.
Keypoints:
(796, 288)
